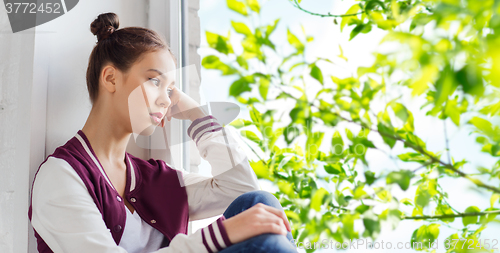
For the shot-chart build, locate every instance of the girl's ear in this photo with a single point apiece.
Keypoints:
(108, 77)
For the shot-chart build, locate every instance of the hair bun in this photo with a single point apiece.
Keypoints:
(104, 25)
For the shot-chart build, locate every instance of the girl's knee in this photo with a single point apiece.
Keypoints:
(249, 199)
(260, 196)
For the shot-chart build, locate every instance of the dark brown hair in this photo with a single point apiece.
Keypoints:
(119, 47)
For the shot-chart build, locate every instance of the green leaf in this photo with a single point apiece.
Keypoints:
(372, 226)
(400, 111)
(334, 168)
(292, 215)
(484, 219)
(391, 216)
(413, 157)
(347, 221)
(422, 197)
(402, 178)
(254, 5)
(349, 134)
(369, 177)
(239, 86)
(359, 193)
(421, 82)
(452, 110)
(348, 20)
(382, 23)
(270, 28)
(261, 170)
(242, 62)
(313, 143)
(219, 43)
(239, 123)
(471, 219)
(213, 62)
(237, 6)
(445, 86)
(290, 133)
(256, 116)
(494, 199)
(357, 30)
(298, 114)
(241, 28)
(362, 208)
(316, 73)
(407, 202)
(485, 127)
(385, 133)
(295, 42)
(341, 55)
(318, 199)
(424, 236)
(383, 194)
(469, 78)
(445, 210)
(372, 5)
(264, 87)
(337, 143)
(251, 136)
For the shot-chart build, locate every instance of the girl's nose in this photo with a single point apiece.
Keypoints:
(164, 99)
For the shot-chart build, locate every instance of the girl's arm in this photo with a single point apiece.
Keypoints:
(231, 171)
(66, 217)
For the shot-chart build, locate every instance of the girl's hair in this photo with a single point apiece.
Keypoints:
(118, 47)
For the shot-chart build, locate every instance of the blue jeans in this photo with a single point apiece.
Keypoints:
(267, 242)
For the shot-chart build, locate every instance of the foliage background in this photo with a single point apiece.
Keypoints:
(327, 38)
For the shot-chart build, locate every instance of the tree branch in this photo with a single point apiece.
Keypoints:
(433, 158)
(427, 217)
(297, 5)
(417, 148)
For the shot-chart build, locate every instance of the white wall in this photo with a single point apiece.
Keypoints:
(16, 76)
(44, 101)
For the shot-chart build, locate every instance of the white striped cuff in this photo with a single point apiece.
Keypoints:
(201, 126)
(215, 237)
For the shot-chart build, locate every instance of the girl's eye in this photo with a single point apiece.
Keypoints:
(169, 92)
(155, 81)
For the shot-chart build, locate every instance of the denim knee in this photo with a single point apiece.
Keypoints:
(249, 199)
(260, 196)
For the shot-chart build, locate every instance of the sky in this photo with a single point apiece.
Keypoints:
(216, 17)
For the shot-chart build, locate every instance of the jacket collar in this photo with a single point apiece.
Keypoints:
(131, 180)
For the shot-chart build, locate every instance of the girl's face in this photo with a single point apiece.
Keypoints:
(148, 85)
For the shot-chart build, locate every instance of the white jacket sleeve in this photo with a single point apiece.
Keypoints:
(66, 217)
(231, 171)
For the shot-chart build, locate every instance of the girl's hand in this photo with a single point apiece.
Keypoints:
(183, 106)
(256, 220)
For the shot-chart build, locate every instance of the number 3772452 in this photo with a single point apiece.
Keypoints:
(33, 8)
(468, 243)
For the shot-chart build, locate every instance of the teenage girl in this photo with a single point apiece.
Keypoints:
(90, 195)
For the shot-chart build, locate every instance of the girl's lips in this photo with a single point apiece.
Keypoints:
(156, 117)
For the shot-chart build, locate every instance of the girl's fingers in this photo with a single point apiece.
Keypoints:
(272, 227)
(270, 223)
(280, 214)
